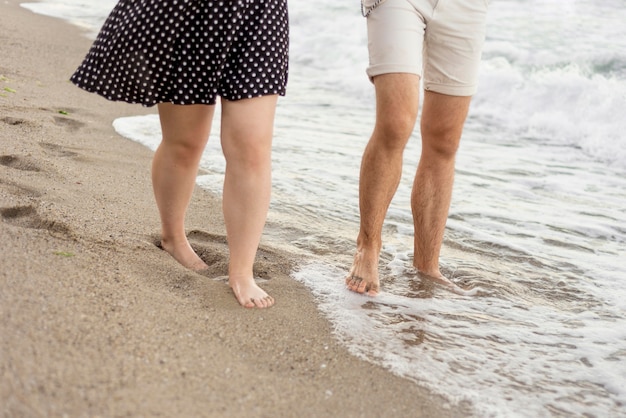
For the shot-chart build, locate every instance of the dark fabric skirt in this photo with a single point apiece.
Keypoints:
(189, 51)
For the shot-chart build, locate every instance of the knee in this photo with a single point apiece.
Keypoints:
(440, 139)
(184, 150)
(250, 159)
(250, 156)
(394, 130)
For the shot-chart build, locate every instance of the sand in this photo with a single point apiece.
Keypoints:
(96, 320)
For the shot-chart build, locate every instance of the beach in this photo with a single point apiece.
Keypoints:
(96, 320)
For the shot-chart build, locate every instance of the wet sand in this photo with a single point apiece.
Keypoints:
(96, 320)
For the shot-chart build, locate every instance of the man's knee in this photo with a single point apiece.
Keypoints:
(442, 122)
(441, 140)
(397, 101)
(394, 128)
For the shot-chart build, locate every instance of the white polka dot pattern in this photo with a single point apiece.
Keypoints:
(189, 51)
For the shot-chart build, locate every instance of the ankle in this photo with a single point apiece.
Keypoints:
(429, 271)
(368, 245)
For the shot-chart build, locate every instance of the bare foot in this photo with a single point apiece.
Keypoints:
(440, 279)
(249, 294)
(363, 275)
(184, 254)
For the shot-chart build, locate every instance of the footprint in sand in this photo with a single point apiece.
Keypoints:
(211, 247)
(18, 163)
(27, 217)
(57, 150)
(13, 121)
(18, 191)
(71, 124)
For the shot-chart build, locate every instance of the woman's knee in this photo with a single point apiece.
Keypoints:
(250, 152)
(184, 149)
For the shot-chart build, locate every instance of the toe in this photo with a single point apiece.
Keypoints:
(354, 284)
(362, 287)
(373, 290)
(261, 303)
(264, 302)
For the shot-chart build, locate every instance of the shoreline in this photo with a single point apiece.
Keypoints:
(96, 320)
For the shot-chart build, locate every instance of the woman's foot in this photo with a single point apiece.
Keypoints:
(249, 294)
(184, 254)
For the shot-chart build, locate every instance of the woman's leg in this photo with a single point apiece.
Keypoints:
(174, 168)
(247, 129)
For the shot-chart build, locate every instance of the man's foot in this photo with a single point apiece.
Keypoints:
(438, 278)
(185, 255)
(363, 275)
(249, 294)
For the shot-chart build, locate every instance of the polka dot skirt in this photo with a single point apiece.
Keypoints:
(189, 51)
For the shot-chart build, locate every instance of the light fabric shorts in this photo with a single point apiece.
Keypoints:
(439, 40)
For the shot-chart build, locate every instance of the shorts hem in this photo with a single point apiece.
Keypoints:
(375, 70)
(448, 90)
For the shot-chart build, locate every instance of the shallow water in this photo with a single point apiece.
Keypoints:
(537, 228)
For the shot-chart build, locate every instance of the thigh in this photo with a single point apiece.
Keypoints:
(247, 125)
(453, 46)
(397, 102)
(395, 32)
(188, 125)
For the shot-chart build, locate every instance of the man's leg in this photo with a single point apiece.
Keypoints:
(247, 130)
(442, 123)
(174, 168)
(397, 100)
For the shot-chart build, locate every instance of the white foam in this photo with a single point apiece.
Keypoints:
(490, 351)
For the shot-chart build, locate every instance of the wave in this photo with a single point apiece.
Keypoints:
(565, 105)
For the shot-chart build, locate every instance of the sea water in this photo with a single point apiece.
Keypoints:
(537, 228)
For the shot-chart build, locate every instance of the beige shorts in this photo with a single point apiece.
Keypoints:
(439, 40)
